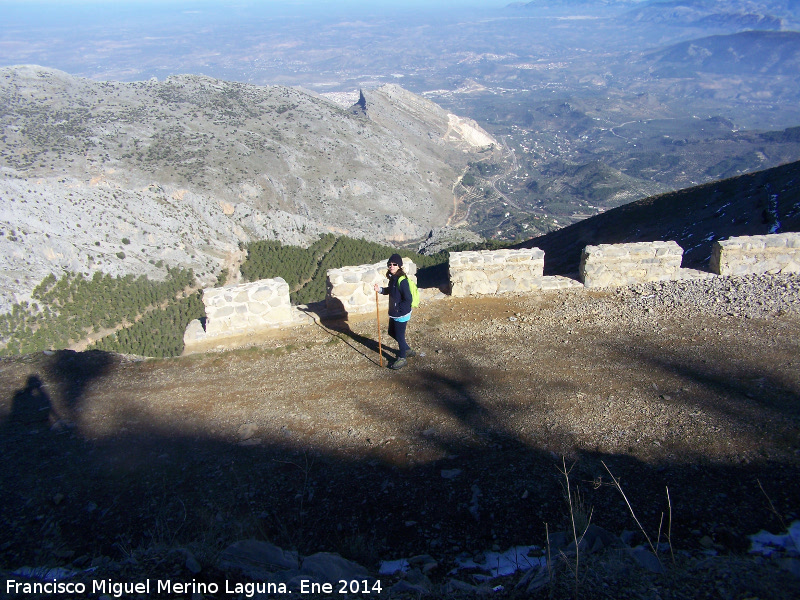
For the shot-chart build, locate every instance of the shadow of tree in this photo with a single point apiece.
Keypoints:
(73, 371)
(737, 374)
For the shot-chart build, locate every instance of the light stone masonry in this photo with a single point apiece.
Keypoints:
(616, 265)
(350, 289)
(263, 303)
(241, 311)
(496, 271)
(756, 254)
(242, 315)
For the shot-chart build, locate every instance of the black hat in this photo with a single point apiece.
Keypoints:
(395, 258)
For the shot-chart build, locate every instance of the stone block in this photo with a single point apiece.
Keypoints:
(775, 241)
(506, 285)
(281, 315)
(194, 332)
(349, 289)
(232, 309)
(238, 321)
(744, 255)
(611, 251)
(493, 272)
(607, 265)
(256, 308)
(345, 289)
(351, 277)
(221, 312)
(279, 301)
(792, 266)
(262, 293)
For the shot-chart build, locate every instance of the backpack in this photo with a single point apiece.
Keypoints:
(412, 285)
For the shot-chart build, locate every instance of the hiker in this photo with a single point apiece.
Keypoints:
(399, 293)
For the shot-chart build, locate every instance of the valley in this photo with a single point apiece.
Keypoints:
(589, 106)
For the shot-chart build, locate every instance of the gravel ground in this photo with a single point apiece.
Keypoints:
(690, 386)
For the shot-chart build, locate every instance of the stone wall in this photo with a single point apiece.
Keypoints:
(610, 265)
(350, 289)
(244, 314)
(495, 271)
(756, 254)
(238, 312)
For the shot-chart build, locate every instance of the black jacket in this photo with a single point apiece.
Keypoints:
(399, 296)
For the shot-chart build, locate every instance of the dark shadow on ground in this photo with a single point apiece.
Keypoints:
(30, 406)
(75, 370)
(333, 319)
(70, 500)
(335, 323)
(726, 375)
(371, 349)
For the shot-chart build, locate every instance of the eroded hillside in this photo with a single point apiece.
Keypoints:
(187, 168)
(754, 204)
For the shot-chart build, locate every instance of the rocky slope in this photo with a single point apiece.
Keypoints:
(121, 176)
(754, 204)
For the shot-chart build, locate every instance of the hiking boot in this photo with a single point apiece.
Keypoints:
(398, 364)
(411, 353)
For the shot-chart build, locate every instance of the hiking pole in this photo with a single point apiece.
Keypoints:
(378, 313)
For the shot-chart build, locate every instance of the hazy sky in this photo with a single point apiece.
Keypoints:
(306, 4)
(43, 12)
(260, 41)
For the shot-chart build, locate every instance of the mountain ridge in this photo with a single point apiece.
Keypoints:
(751, 204)
(188, 168)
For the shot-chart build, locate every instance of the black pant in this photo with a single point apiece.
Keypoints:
(397, 330)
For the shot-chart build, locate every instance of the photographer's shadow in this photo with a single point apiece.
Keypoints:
(30, 407)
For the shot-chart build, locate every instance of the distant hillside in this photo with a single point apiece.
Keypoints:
(747, 53)
(118, 177)
(752, 204)
(720, 14)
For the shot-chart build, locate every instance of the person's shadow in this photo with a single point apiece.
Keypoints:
(30, 406)
(333, 320)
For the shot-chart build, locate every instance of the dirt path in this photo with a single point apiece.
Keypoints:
(306, 442)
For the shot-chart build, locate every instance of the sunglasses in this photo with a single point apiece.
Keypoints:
(392, 265)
